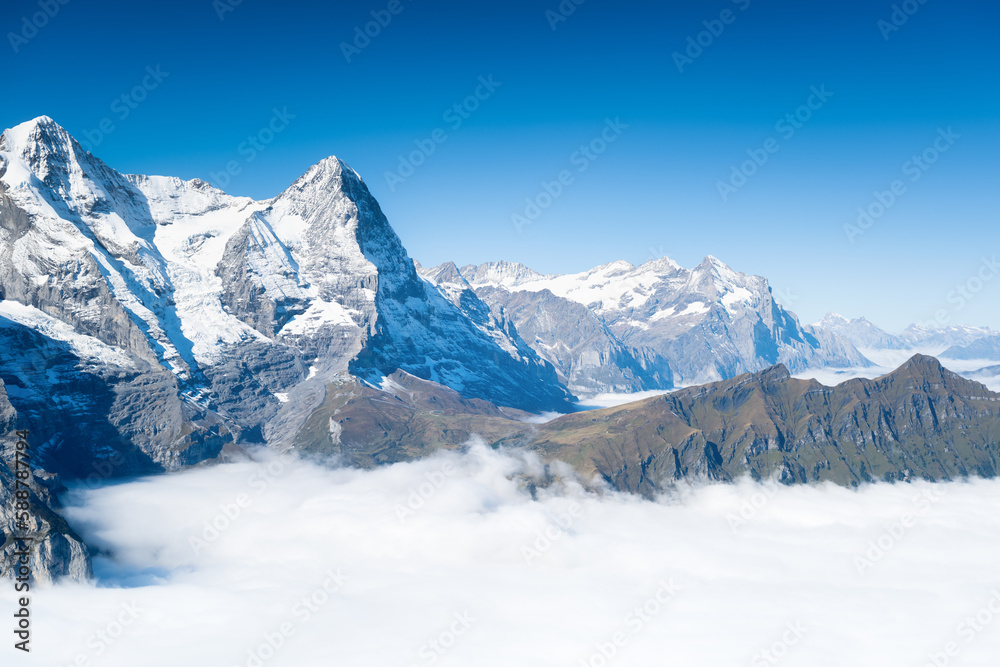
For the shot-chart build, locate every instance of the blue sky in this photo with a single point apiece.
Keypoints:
(649, 186)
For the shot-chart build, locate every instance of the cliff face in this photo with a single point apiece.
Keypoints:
(146, 322)
(620, 327)
(190, 312)
(55, 549)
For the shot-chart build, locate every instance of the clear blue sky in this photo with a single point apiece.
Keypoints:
(655, 187)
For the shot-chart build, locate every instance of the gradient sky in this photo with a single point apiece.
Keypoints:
(653, 191)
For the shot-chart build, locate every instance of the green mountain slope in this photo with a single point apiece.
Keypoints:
(919, 422)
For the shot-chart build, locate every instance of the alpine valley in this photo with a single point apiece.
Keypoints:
(149, 323)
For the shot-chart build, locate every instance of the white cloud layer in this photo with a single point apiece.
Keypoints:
(889, 360)
(336, 570)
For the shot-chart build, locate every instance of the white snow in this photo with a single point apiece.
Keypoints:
(192, 238)
(695, 308)
(86, 347)
(738, 295)
(319, 314)
(606, 288)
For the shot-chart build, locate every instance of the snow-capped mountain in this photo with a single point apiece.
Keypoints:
(861, 333)
(588, 357)
(987, 348)
(195, 317)
(705, 323)
(941, 338)
(915, 338)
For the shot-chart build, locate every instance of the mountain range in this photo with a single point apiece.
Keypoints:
(624, 328)
(921, 421)
(150, 323)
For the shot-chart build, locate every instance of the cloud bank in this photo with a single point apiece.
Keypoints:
(459, 560)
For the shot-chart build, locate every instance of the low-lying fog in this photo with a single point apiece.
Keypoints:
(451, 561)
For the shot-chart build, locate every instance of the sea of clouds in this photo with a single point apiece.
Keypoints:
(461, 559)
(886, 361)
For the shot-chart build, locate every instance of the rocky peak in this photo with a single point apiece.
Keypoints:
(832, 319)
(774, 374)
(662, 265)
(501, 274)
(40, 142)
(446, 273)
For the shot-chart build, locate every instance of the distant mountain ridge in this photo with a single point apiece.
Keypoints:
(861, 333)
(649, 326)
(987, 347)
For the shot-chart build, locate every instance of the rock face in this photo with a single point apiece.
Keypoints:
(587, 356)
(320, 270)
(404, 419)
(919, 422)
(147, 322)
(55, 550)
(648, 326)
(150, 320)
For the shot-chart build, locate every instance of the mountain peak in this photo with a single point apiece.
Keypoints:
(716, 267)
(923, 361)
(924, 368)
(446, 273)
(501, 273)
(662, 264)
(46, 150)
(776, 373)
(711, 261)
(37, 137)
(320, 195)
(833, 318)
(40, 130)
(329, 169)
